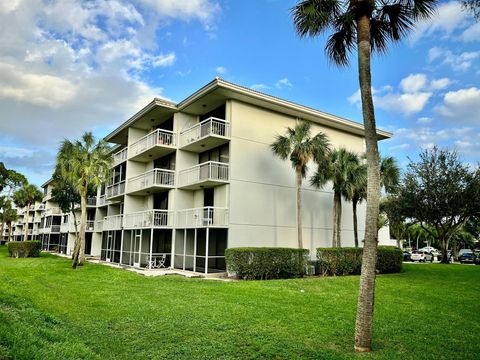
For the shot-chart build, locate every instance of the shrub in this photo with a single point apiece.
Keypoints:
(266, 263)
(24, 249)
(348, 261)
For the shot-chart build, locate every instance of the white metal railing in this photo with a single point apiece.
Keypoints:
(102, 201)
(98, 225)
(149, 219)
(47, 196)
(155, 177)
(65, 227)
(90, 225)
(91, 201)
(202, 217)
(54, 228)
(210, 170)
(120, 156)
(208, 127)
(113, 222)
(53, 211)
(115, 189)
(158, 137)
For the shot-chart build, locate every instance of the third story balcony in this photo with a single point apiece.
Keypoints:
(154, 145)
(205, 135)
(120, 156)
(207, 174)
(154, 180)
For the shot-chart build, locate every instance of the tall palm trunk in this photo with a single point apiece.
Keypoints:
(25, 236)
(337, 219)
(79, 250)
(366, 295)
(299, 209)
(355, 221)
(9, 231)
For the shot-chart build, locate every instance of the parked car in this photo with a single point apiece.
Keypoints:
(407, 256)
(421, 256)
(449, 256)
(428, 249)
(466, 257)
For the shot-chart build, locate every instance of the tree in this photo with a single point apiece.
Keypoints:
(10, 179)
(356, 193)
(441, 194)
(338, 169)
(8, 216)
(396, 220)
(472, 6)
(300, 147)
(25, 197)
(369, 26)
(84, 164)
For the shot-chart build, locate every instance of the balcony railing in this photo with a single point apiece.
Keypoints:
(155, 177)
(120, 156)
(115, 189)
(53, 211)
(113, 222)
(149, 219)
(66, 227)
(207, 171)
(91, 201)
(102, 201)
(158, 137)
(202, 217)
(47, 196)
(90, 225)
(209, 127)
(98, 225)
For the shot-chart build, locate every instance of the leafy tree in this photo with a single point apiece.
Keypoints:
(368, 26)
(441, 194)
(356, 193)
(473, 6)
(84, 164)
(300, 148)
(337, 169)
(396, 220)
(25, 197)
(10, 179)
(8, 216)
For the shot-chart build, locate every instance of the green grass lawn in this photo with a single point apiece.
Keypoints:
(48, 311)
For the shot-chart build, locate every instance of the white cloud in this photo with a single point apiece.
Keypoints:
(260, 87)
(472, 33)
(409, 103)
(283, 83)
(448, 18)
(439, 84)
(458, 62)
(462, 106)
(221, 70)
(204, 10)
(424, 120)
(413, 83)
(434, 53)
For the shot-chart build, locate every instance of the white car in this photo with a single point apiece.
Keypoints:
(428, 249)
(421, 256)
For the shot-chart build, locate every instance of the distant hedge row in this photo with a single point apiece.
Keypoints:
(265, 263)
(348, 261)
(23, 249)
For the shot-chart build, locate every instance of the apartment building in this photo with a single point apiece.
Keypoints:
(193, 178)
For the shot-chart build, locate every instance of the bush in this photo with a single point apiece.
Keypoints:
(348, 261)
(264, 263)
(24, 249)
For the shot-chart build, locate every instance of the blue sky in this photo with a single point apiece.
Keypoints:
(71, 66)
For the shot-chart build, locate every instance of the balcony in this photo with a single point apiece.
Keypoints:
(52, 229)
(112, 222)
(152, 181)
(47, 196)
(102, 201)
(40, 207)
(154, 145)
(91, 201)
(115, 190)
(207, 174)
(202, 217)
(149, 219)
(205, 135)
(98, 225)
(119, 157)
(53, 211)
(66, 227)
(90, 226)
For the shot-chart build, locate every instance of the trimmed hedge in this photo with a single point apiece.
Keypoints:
(23, 249)
(348, 261)
(263, 263)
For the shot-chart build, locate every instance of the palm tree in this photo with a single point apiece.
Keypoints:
(389, 175)
(24, 198)
(8, 216)
(356, 193)
(365, 25)
(85, 164)
(338, 169)
(300, 147)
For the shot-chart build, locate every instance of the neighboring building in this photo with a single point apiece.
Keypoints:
(191, 179)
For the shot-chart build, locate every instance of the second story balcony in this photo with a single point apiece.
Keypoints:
(208, 216)
(115, 191)
(154, 145)
(207, 174)
(102, 201)
(151, 181)
(114, 222)
(149, 219)
(205, 135)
